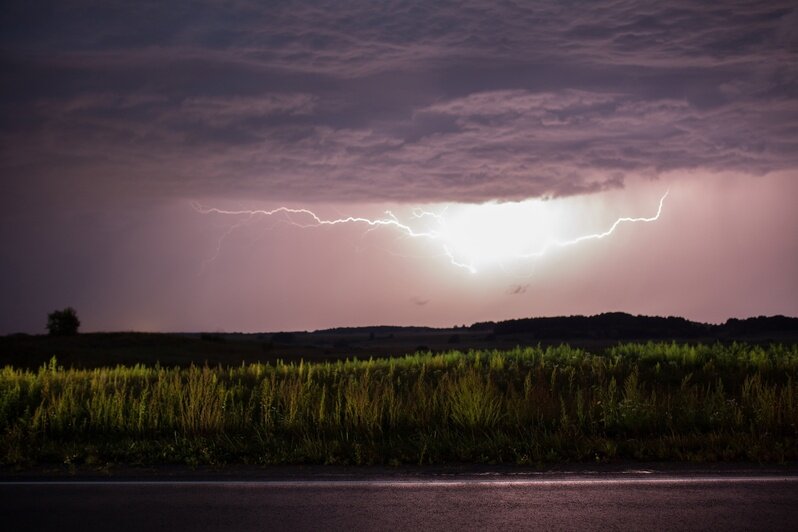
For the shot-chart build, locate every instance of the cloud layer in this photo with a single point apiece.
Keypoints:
(398, 101)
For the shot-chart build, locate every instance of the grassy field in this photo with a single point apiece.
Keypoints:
(650, 401)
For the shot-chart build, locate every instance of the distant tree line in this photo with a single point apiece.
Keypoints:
(620, 325)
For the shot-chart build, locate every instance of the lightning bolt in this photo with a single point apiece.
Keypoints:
(309, 219)
(599, 236)
(319, 222)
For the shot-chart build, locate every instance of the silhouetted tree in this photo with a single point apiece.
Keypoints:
(63, 322)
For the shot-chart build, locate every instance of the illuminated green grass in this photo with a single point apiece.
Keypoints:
(526, 406)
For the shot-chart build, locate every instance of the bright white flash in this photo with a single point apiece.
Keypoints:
(473, 237)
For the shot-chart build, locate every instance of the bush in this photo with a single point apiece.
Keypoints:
(63, 322)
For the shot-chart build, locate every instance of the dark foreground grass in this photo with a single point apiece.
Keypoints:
(524, 406)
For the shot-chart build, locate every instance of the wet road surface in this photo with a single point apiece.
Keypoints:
(629, 501)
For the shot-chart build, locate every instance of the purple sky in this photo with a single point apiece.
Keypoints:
(514, 125)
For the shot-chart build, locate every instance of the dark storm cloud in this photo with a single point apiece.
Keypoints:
(403, 101)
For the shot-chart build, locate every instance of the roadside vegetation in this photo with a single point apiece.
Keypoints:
(655, 401)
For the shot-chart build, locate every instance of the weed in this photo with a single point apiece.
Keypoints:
(526, 405)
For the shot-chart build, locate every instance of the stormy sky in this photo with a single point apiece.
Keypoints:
(117, 119)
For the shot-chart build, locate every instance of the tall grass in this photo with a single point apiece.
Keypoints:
(527, 405)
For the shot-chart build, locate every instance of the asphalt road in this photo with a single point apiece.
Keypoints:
(635, 501)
